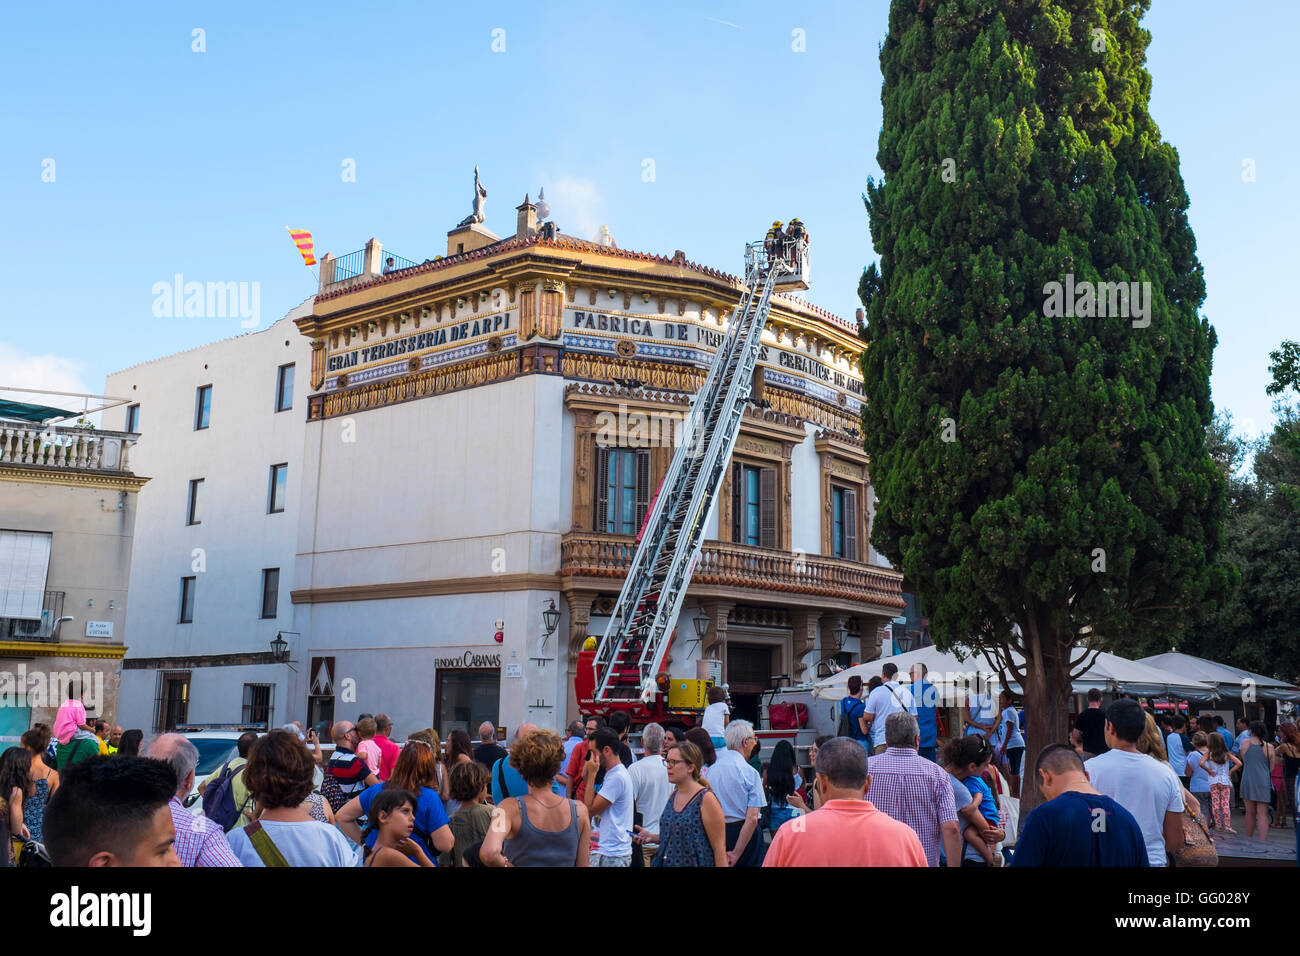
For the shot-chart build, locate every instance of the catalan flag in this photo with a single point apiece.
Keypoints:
(302, 239)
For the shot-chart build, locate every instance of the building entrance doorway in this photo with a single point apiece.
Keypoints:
(749, 674)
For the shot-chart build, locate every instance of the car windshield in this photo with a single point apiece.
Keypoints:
(213, 753)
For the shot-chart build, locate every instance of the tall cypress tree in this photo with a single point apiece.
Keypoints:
(1039, 459)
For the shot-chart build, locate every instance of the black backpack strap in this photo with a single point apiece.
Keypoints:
(501, 778)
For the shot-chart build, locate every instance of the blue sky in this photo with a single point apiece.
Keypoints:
(171, 161)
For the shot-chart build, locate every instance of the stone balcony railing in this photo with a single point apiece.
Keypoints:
(742, 566)
(74, 449)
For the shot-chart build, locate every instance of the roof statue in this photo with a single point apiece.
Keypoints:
(480, 200)
(543, 207)
(604, 238)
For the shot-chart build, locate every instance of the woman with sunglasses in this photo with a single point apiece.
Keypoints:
(691, 829)
(416, 770)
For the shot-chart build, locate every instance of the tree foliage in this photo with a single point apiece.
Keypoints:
(1077, 503)
(1257, 627)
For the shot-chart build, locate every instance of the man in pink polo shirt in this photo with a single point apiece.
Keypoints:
(846, 830)
(388, 750)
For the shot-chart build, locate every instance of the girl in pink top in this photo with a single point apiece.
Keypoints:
(367, 748)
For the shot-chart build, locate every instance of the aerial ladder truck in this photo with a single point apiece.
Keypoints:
(624, 670)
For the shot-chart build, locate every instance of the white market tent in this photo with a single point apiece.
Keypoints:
(1109, 673)
(1228, 681)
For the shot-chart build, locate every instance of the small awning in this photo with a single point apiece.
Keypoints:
(27, 412)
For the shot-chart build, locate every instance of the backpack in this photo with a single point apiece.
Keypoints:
(332, 792)
(219, 799)
(848, 726)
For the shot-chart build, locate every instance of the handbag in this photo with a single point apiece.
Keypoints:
(1197, 849)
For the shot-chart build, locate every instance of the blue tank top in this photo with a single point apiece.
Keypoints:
(683, 840)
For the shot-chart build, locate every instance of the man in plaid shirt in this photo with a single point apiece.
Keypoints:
(199, 841)
(912, 790)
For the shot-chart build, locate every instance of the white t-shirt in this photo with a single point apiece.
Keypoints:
(984, 709)
(1216, 773)
(616, 821)
(301, 843)
(1008, 715)
(888, 698)
(650, 789)
(1177, 756)
(714, 720)
(1145, 787)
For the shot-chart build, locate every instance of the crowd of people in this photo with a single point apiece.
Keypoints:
(884, 791)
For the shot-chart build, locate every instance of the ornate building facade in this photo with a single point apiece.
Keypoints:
(485, 432)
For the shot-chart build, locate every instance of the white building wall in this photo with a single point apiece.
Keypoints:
(236, 538)
(469, 484)
(805, 495)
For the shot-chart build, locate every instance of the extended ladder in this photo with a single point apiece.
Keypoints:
(631, 652)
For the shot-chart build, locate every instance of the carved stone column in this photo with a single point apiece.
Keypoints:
(869, 636)
(584, 469)
(579, 603)
(715, 641)
(804, 623)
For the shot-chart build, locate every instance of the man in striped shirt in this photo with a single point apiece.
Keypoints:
(199, 841)
(914, 791)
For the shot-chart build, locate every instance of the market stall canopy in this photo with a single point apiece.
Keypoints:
(1109, 673)
(27, 412)
(1229, 681)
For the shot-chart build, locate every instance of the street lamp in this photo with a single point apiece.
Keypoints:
(550, 621)
(903, 642)
(701, 622)
(279, 648)
(841, 634)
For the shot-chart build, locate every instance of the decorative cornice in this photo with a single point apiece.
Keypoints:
(841, 445)
(108, 652)
(34, 474)
(588, 264)
(246, 659)
(483, 584)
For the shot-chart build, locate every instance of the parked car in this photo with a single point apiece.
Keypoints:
(216, 747)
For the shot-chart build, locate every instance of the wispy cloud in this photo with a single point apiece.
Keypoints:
(56, 373)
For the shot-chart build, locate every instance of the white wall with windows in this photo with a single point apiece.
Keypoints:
(205, 513)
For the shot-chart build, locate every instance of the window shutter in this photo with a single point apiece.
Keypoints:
(642, 487)
(737, 502)
(850, 524)
(767, 507)
(602, 490)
